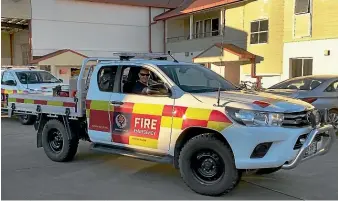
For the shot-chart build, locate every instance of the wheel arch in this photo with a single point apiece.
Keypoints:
(191, 132)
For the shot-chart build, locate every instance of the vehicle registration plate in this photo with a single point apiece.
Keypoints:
(312, 149)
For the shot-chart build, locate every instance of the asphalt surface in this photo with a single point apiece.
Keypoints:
(27, 173)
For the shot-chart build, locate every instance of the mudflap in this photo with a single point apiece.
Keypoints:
(38, 125)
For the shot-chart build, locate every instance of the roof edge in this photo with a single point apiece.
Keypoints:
(54, 54)
(130, 4)
(179, 11)
(233, 49)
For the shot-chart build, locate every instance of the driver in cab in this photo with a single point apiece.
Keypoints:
(141, 84)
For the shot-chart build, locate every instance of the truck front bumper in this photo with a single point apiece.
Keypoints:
(327, 135)
(285, 150)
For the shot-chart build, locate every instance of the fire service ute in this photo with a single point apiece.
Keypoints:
(150, 108)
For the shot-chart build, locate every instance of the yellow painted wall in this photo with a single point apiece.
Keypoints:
(234, 17)
(324, 21)
(239, 17)
(5, 49)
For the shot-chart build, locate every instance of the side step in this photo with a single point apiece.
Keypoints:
(131, 153)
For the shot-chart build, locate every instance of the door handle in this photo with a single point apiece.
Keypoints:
(116, 102)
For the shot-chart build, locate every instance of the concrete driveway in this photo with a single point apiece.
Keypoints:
(27, 173)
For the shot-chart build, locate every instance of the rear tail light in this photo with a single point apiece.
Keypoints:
(309, 100)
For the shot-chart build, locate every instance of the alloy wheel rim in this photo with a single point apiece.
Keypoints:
(333, 119)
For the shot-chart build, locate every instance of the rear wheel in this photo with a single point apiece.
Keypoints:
(207, 166)
(27, 119)
(57, 146)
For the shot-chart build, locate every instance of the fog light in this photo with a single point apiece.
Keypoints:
(261, 150)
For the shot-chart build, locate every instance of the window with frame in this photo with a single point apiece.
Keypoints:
(106, 78)
(302, 7)
(332, 87)
(8, 79)
(301, 67)
(130, 75)
(259, 31)
(198, 29)
(211, 27)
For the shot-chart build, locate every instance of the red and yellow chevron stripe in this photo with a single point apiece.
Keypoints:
(42, 102)
(5, 92)
(140, 123)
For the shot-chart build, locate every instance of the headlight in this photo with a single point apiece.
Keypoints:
(255, 118)
(317, 117)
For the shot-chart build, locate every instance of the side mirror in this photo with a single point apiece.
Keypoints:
(10, 83)
(158, 90)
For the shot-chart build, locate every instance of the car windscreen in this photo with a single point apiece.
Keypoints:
(299, 84)
(196, 78)
(36, 77)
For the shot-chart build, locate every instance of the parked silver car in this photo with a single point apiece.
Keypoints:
(319, 90)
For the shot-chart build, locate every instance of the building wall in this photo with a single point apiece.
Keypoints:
(181, 27)
(20, 9)
(94, 29)
(309, 35)
(21, 47)
(237, 31)
(178, 27)
(315, 49)
(321, 23)
(5, 49)
(157, 32)
(270, 54)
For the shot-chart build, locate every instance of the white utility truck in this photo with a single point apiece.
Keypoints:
(189, 116)
(25, 80)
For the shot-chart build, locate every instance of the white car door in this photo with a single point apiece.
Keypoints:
(141, 122)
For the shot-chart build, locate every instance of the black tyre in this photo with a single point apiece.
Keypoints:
(207, 166)
(56, 144)
(27, 119)
(267, 170)
(333, 118)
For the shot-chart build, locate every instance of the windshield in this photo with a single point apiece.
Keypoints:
(196, 78)
(299, 84)
(36, 77)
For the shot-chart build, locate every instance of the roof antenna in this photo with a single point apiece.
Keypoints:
(172, 57)
(218, 95)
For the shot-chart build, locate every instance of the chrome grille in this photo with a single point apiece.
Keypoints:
(296, 119)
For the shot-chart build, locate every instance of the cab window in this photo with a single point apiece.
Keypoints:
(106, 78)
(8, 79)
(133, 76)
(196, 78)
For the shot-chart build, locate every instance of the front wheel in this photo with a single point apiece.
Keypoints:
(207, 166)
(57, 146)
(27, 119)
